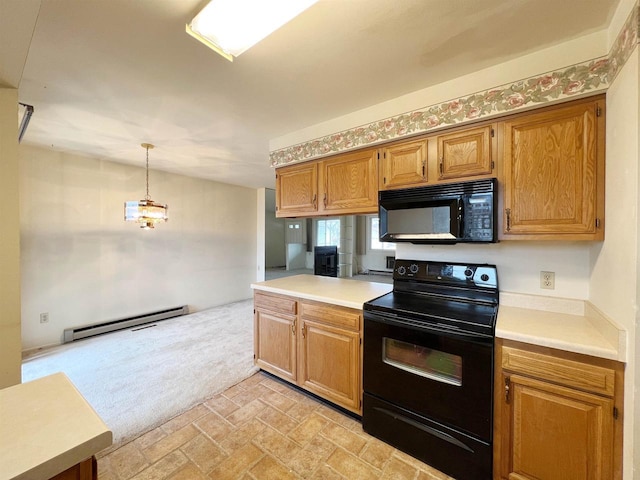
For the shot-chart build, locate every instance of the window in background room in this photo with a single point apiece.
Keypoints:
(374, 235)
(328, 232)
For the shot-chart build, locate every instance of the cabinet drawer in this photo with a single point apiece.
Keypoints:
(332, 315)
(579, 375)
(275, 303)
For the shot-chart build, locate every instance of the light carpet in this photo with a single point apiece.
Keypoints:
(139, 378)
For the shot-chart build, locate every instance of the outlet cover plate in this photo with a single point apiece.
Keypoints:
(548, 280)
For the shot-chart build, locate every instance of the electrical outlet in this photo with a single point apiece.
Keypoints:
(44, 317)
(548, 280)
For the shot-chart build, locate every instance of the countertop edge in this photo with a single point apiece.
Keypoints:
(68, 459)
(609, 354)
(91, 438)
(309, 296)
(342, 292)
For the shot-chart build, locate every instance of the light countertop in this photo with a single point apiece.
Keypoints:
(46, 427)
(565, 324)
(336, 291)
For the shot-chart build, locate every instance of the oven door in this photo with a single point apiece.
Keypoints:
(429, 370)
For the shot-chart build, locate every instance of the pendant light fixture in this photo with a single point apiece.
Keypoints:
(146, 212)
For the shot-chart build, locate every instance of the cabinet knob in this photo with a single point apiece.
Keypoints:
(508, 211)
(315, 200)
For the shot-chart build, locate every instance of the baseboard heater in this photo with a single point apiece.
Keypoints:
(77, 333)
(380, 272)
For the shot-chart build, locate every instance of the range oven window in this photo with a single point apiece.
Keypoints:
(426, 362)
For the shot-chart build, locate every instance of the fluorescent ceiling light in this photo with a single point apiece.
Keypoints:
(231, 27)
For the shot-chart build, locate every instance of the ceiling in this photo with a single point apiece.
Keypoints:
(107, 75)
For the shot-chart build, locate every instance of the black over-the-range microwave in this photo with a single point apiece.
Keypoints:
(446, 213)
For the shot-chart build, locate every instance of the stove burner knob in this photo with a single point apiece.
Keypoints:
(484, 277)
(402, 270)
(413, 268)
(468, 272)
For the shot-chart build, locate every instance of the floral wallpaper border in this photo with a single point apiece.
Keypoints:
(587, 77)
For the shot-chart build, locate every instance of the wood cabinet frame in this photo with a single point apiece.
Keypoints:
(567, 199)
(314, 345)
(467, 152)
(275, 335)
(403, 165)
(589, 387)
(348, 183)
(297, 190)
(535, 204)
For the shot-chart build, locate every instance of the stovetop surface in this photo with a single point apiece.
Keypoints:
(430, 309)
(459, 296)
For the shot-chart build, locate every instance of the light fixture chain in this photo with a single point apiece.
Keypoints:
(147, 197)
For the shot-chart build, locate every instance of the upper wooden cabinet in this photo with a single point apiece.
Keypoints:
(554, 173)
(297, 190)
(466, 153)
(549, 164)
(349, 183)
(402, 165)
(341, 185)
(558, 415)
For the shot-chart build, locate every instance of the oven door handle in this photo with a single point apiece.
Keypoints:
(434, 328)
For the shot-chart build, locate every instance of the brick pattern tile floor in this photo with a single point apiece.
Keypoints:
(261, 429)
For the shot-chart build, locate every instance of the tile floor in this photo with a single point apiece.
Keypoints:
(261, 429)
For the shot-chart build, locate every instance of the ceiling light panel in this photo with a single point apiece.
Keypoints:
(230, 27)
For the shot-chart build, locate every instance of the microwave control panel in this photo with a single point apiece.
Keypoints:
(479, 218)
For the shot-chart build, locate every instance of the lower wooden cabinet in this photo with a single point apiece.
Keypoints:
(558, 416)
(85, 470)
(274, 333)
(330, 353)
(314, 345)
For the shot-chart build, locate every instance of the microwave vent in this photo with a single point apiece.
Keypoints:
(450, 189)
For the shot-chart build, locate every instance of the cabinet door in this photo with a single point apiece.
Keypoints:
(557, 433)
(297, 190)
(403, 165)
(554, 173)
(275, 343)
(465, 153)
(349, 183)
(85, 470)
(330, 363)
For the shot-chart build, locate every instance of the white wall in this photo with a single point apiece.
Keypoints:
(560, 56)
(519, 263)
(10, 357)
(261, 213)
(82, 263)
(614, 273)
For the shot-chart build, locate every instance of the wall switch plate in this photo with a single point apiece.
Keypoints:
(44, 317)
(548, 280)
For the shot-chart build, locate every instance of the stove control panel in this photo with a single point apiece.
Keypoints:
(479, 275)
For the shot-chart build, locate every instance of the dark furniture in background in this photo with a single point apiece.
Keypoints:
(325, 261)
